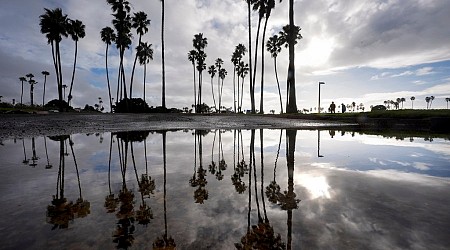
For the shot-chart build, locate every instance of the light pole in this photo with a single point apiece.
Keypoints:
(318, 108)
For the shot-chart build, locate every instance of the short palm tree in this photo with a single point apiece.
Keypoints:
(76, 31)
(243, 70)
(431, 100)
(108, 36)
(45, 73)
(22, 79)
(447, 100)
(412, 101)
(54, 24)
(212, 72)
(274, 48)
(32, 82)
(402, 100)
(428, 99)
(145, 54)
(140, 23)
(222, 74)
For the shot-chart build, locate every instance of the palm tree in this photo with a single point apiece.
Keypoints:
(140, 23)
(45, 73)
(431, 100)
(447, 100)
(222, 74)
(22, 79)
(76, 31)
(218, 64)
(412, 101)
(243, 69)
(427, 99)
(199, 42)
(32, 82)
(289, 37)
(212, 72)
(54, 25)
(258, 5)
(268, 5)
(122, 24)
(64, 88)
(399, 100)
(145, 54)
(192, 55)
(274, 48)
(252, 92)
(162, 55)
(108, 36)
(402, 100)
(236, 58)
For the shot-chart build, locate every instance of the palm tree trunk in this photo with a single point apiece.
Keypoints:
(60, 94)
(252, 92)
(43, 95)
(73, 73)
(163, 59)
(107, 77)
(242, 92)
(253, 80)
(278, 83)
(212, 92)
(220, 98)
(292, 105)
(21, 95)
(76, 166)
(31, 94)
(234, 89)
(261, 101)
(145, 75)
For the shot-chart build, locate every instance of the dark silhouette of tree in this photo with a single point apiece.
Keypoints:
(108, 36)
(274, 48)
(431, 100)
(402, 100)
(273, 189)
(140, 22)
(212, 72)
(81, 206)
(48, 166)
(447, 100)
(243, 70)
(218, 64)
(222, 74)
(145, 54)
(22, 79)
(239, 164)
(252, 91)
(64, 87)
(34, 156)
(111, 201)
(236, 59)
(412, 101)
(199, 177)
(192, 55)
(54, 24)
(25, 159)
(428, 99)
(45, 73)
(76, 31)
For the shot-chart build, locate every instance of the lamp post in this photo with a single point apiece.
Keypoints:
(318, 108)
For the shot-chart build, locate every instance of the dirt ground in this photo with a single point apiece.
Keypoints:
(15, 125)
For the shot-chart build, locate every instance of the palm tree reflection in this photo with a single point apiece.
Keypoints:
(25, 159)
(241, 168)
(199, 177)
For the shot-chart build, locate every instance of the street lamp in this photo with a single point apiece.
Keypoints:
(320, 83)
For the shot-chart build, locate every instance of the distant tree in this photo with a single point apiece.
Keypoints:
(32, 82)
(431, 100)
(222, 74)
(412, 101)
(22, 79)
(402, 100)
(108, 36)
(428, 99)
(447, 100)
(76, 31)
(192, 57)
(45, 73)
(64, 86)
(243, 69)
(218, 64)
(353, 106)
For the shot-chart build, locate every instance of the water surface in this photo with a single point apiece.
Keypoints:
(224, 189)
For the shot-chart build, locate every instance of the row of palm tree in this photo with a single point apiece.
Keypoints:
(32, 82)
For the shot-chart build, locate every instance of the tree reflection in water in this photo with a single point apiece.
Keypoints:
(262, 235)
(61, 212)
(241, 168)
(199, 177)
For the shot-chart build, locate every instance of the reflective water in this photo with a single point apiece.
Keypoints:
(278, 189)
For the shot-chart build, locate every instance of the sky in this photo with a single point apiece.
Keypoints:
(366, 51)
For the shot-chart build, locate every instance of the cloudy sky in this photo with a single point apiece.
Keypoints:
(365, 51)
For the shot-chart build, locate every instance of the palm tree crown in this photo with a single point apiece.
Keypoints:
(54, 25)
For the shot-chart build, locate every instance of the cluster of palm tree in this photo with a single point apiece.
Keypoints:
(197, 56)
(212, 70)
(56, 25)
(429, 100)
(240, 71)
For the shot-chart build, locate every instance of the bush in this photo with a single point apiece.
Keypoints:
(133, 105)
(378, 108)
(56, 104)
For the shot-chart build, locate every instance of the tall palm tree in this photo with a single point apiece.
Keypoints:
(22, 79)
(162, 57)
(285, 38)
(76, 31)
(212, 72)
(218, 64)
(243, 70)
(274, 48)
(192, 55)
(54, 25)
(258, 5)
(140, 23)
(222, 74)
(412, 101)
(32, 82)
(145, 54)
(45, 73)
(199, 42)
(236, 58)
(108, 36)
(122, 23)
(269, 5)
(252, 91)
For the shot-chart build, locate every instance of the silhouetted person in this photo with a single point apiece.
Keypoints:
(332, 107)
(343, 108)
